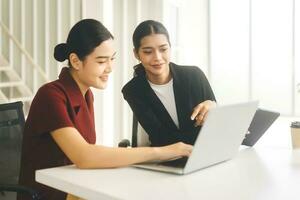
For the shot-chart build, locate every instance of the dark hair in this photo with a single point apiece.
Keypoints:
(146, 28)
(83, 38)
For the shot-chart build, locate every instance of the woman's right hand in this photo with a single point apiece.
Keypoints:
(174, 151)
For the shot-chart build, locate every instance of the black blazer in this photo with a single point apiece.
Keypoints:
(190, 86)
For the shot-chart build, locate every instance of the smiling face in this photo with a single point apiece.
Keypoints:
(94, 70)
(154, 54)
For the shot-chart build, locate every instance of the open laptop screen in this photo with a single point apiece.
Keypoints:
(261, 121)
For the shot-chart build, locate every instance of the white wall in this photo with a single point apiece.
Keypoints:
(254, 52)
(296, 56)
(229, 50)
(189, 35)
(272, 54)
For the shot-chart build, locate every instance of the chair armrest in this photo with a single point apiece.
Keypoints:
(20, 189)
(124, 143)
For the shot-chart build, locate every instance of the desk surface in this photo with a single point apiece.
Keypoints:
(263, 173)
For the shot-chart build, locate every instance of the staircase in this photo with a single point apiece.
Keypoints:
(29, 31)
(12, 87)
(18, 81)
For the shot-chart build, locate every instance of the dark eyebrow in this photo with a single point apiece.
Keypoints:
(163, 45)
(106, 56)
(146, 47)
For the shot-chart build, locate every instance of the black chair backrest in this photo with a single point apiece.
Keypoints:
(134, 131)
(11, 130)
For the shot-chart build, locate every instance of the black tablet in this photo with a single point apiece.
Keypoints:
(261, 121)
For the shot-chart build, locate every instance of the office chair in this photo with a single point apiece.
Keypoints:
(139, 136)
(11, 129)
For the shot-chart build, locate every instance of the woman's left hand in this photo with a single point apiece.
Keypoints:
(200, 111)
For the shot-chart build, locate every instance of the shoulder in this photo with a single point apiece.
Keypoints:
(51, 91)
(186, 70)
(133, 85)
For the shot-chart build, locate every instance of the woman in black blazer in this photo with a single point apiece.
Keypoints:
(170, 101)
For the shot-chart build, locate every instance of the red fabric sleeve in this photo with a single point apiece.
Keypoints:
(49, 110)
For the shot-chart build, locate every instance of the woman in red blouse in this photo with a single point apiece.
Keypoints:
(60, 127)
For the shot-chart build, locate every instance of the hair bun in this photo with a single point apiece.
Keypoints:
(61, 52)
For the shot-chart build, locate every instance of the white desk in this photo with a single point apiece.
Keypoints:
(254, 174)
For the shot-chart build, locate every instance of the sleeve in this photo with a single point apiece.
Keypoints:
(49, 111)
(159, 135)
(201, 87)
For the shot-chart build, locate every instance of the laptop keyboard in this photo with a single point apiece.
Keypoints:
(180, 163)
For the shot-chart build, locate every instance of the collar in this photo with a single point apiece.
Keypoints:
(73, 90)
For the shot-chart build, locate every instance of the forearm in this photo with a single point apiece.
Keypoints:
(95, 156)
(85, 155)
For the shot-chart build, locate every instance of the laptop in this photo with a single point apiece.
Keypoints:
(219, 139)
(262, 120)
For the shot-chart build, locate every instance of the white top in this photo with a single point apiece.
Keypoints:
(165, 93)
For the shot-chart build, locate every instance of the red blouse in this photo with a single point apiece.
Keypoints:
(56, 105)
